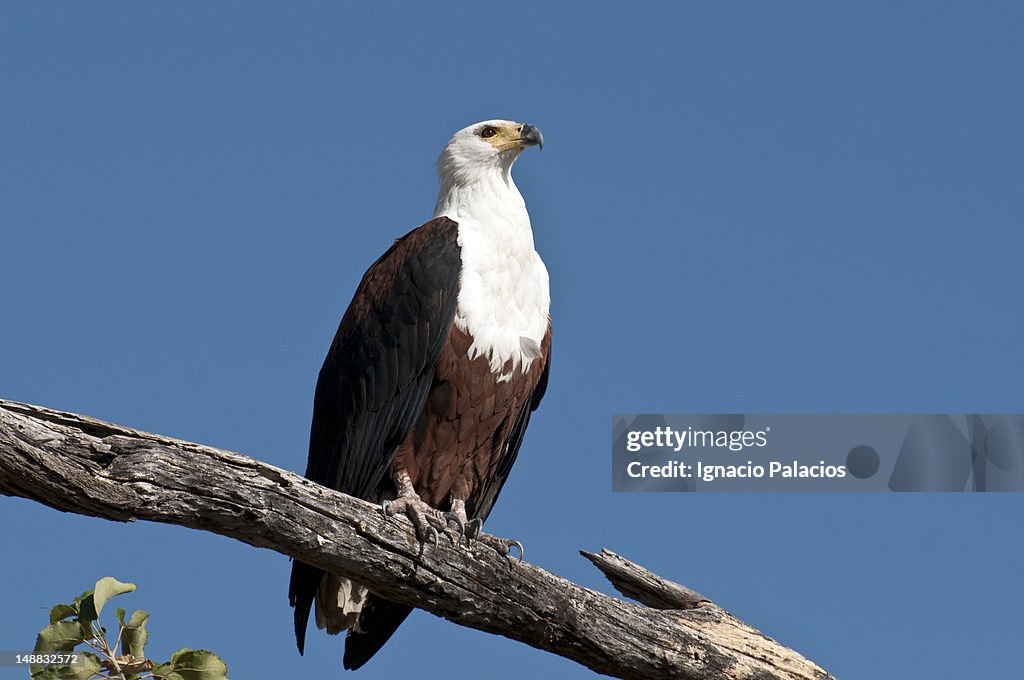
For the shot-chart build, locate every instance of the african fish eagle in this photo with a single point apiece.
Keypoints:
(427, 389)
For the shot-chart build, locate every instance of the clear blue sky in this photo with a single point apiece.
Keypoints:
(744, 207)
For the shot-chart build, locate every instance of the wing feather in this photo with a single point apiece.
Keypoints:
(377, 373)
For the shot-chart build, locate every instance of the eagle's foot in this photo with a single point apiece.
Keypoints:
(475, 532)
(503, 546)
(426, 520)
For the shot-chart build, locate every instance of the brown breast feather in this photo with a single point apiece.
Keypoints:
(465, 425)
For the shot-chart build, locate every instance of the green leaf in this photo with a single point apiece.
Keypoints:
(89, 667)
(63, 611)
(106, 588)
(198, 664)
(43, 673)
(135, 635)
(62, 636)
(119, 615)
(78, 600)
(86, 606)
(85, 628)
(166, 672)
(138, 618)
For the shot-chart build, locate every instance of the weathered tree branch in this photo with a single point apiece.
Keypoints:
(77, 464)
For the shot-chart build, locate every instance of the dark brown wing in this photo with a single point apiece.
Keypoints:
(377, 373)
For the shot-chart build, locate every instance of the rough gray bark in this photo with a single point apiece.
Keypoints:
(77, 464)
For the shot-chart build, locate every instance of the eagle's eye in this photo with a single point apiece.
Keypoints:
(488, 132)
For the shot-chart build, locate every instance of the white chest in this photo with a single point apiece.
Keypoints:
(504, 299)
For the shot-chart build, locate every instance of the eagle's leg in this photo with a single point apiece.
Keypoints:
(473, 529)
(426, 519)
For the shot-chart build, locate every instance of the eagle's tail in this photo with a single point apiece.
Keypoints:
(302, 589)
(343, 605)
(338, 603)
(378, 621)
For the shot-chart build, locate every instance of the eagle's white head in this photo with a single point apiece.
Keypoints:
(503, 287)
(485, 148)
(475, 170)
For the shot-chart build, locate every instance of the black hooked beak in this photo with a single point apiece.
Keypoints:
(530, 136)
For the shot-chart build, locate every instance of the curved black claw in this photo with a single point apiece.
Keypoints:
(474, 528)
(384, 508)
(423, 544)
(513, 543)
(452, 517)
